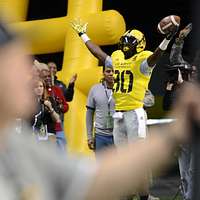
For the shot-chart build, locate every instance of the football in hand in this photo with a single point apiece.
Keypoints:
(168, 24)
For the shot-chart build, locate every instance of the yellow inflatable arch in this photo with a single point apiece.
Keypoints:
(56, 35)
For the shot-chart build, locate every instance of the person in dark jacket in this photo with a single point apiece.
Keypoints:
(68, 92)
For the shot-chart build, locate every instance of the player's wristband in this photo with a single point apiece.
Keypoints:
(164, 44)
(84, 37)
(80, 33)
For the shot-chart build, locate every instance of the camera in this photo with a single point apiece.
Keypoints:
(172, 75)
(173, 72)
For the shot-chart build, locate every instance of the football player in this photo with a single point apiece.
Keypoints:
(133, 67)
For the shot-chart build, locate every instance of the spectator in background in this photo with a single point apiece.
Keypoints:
(68, 92)
(61, 104)
(54, 91)
(46, 121)
(100, 109)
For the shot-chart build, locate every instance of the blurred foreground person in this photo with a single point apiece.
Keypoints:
(29, 171)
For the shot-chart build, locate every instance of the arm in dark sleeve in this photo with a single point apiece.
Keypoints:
(176, 52)
(69, 92)
(168, 99)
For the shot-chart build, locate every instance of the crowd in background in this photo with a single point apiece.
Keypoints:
(52, 97)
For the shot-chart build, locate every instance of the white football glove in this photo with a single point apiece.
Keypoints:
(79, 26)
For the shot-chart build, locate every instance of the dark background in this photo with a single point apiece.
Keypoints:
(143, 15)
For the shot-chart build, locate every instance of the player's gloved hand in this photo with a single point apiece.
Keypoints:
(79, 26)
(172, 33)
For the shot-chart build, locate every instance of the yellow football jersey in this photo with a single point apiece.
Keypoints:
(130, 84)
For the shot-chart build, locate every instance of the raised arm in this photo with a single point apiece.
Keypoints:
(176, 51)
(81, 29)
(69, 91)
(157, 54)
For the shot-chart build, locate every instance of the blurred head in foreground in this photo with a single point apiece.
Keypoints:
(16, 98)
